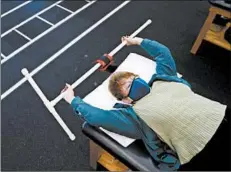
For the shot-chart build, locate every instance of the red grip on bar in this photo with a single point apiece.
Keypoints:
(105, 61)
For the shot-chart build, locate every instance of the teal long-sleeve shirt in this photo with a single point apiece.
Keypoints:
(126, 122)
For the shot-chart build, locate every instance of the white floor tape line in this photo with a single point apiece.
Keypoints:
(50, 104)
(46, 32)
(15, 8)
(64, 8)
(54, 56)
(29, 19)
(3, 55)
(46, 21)
(23, 35)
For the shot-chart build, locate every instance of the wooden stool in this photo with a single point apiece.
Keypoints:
(211, 32)
(97, 154)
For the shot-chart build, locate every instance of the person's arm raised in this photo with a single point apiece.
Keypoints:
(165, 63)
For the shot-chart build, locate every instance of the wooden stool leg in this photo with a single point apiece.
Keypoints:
(203, 31)
(95, 152)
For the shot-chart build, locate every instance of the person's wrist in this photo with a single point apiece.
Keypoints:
(70, 99)
(138, 40)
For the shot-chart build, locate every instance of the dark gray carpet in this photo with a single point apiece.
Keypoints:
(31, 138)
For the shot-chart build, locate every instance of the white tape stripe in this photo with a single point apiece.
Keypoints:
(64, 8)
(45, 32)
(14, 9)
(3, 55)
(29, 19)
(53, 57)
(44, 20)
(22, 34)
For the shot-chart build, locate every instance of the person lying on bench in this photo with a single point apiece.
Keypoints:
(165, 109)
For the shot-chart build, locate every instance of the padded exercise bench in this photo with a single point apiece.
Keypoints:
(130, 152)
(209, 31)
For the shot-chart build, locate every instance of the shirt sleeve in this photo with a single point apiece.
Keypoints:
(165, 64)
(112, 120)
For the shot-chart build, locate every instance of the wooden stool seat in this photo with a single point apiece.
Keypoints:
(213, 33)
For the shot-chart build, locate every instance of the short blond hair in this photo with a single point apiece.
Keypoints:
(115, 83)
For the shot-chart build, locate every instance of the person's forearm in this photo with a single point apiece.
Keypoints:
(92, 115)
(152, 47)
(112, 120)
(165, 63)
(76, 104)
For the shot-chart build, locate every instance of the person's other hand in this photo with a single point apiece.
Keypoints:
(131, 41)
(69, 93)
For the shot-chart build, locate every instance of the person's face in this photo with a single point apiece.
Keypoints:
(125, 88)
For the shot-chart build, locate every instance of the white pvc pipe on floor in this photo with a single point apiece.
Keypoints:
(93, 69)
(47, 103)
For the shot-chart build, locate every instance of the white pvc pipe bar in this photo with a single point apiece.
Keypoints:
(47, 103)
(75, 84)
(15, 8)
(93, 69)
(56, 55)
(132, 35)
(46, 32)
